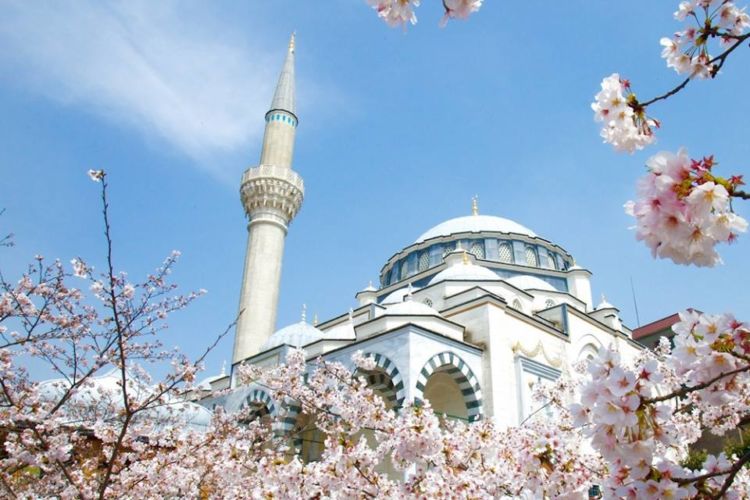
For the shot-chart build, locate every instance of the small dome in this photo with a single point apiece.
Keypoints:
(462, 271)
(475, 224)
(604, 304)
(397, 296)
(411, 308)
(296, 335)
(530, 282)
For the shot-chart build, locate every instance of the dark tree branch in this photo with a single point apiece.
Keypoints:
(718, 61)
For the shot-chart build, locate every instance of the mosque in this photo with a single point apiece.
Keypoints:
(470, 316)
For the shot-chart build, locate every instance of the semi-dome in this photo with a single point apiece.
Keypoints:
(464, 271)
(529, 283)
(397, 296)
(344, 330)
(411, 308)
(297, 335)
(475, 224)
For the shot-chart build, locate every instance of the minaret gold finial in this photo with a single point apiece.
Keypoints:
(304, 313)
(351, 314)
(475, 205)
(223, 368)
(466, 257)
(315, 319)
(291, 42)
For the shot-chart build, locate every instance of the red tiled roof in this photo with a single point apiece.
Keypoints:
(656, 326)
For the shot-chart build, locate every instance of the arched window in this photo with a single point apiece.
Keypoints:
(552, 261)
(517, 305)
(531, 257)
(505, 252)
(448, 248)
(404, 269)
(424, 261)
(477, 249)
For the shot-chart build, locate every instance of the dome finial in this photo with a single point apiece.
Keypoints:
(304, 313)
(224, 368)
(475, 205)
(291, 42)
(351, 314)
(466, 258)
(315, 319)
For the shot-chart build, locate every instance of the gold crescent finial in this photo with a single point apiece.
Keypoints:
(466, 257)
(291, 42)
(475, 205)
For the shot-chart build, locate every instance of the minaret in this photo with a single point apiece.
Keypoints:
(272, 195)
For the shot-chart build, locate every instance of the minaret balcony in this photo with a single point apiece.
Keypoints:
(272, 188)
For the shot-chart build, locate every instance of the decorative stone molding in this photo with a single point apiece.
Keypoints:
(269, 189)
(532, 353)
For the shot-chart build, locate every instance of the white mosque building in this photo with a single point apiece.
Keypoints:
(470, 316)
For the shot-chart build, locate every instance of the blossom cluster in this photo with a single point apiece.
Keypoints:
(625, 124)
(683, 210)
(401, 12)
(641, 418)
(688, 50)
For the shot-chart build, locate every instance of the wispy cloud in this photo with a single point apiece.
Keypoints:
(166, 71)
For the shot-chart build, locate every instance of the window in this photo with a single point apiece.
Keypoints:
(477, 249)
(517, 305)
(505, 252)
(549, 303)
(427, 302)
(531, 257)
(448, 248)
(424, 261)
(552, 260)
(404, 269)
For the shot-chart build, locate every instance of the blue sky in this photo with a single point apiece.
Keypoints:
(398, 130)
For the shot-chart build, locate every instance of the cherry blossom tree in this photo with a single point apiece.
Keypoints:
(642, 417)
(105, 429)
(84, 433)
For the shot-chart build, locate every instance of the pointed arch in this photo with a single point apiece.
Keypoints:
(451, 364)
(260, 404)
(385, 379)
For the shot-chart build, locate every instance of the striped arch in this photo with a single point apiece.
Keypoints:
(293, 410)
(259, 398)
(385, 371)
(454, 366)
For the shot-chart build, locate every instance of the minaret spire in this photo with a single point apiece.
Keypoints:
(283, 97)
(272, 195)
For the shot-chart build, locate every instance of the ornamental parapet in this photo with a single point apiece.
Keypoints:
(270, 188)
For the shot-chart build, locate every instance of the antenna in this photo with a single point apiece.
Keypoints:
(635, 303)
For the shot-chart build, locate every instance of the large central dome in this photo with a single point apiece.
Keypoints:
(475, 224)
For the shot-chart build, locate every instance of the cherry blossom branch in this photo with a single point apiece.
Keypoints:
(7, 240)
(743, 195)
(721, 58)
(687, 390)
(732, 473)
